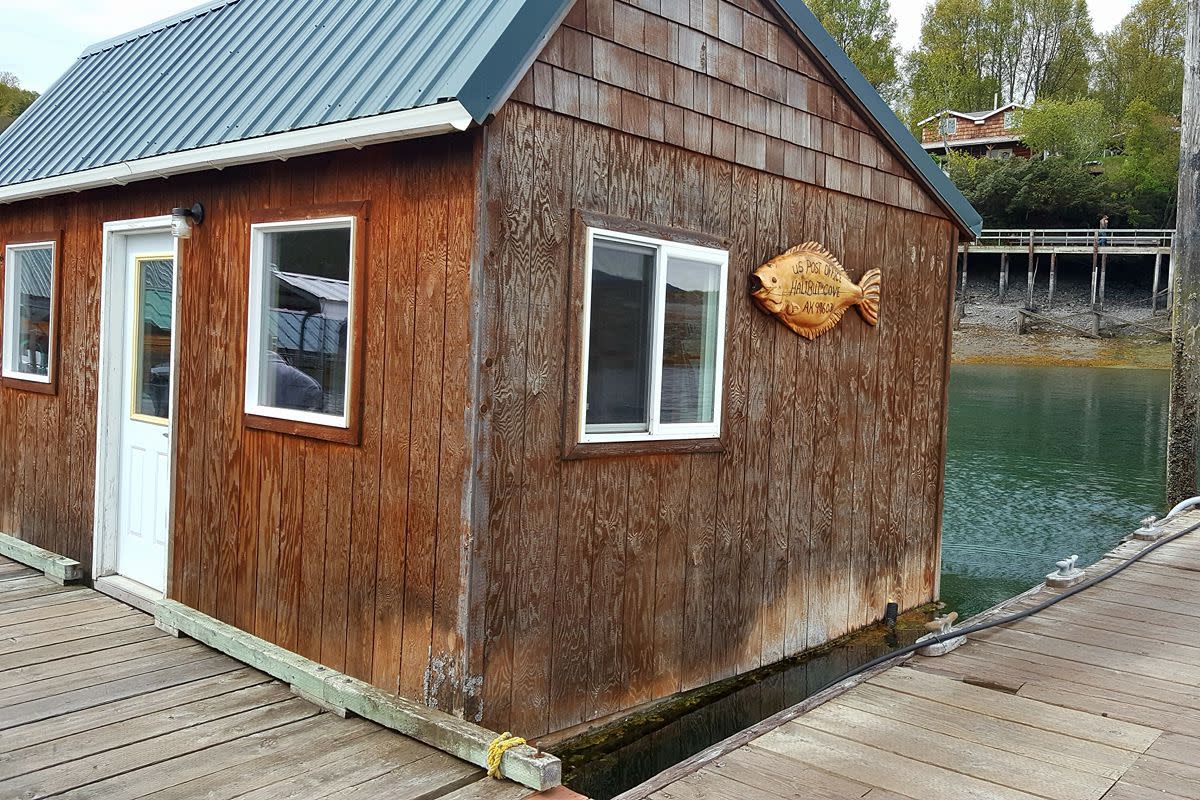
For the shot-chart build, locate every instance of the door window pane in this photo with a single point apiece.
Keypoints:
(152, 338)
(28, 310)
(622, 290)
(690, 319)
(302, 359)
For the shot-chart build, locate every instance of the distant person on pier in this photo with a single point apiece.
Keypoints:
(1104, 230)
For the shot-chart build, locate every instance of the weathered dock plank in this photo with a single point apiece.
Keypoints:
(97, 702)
(1093, 698)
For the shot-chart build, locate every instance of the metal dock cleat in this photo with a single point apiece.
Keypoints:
(1068, 574)
(940, 626)
(1150, 531)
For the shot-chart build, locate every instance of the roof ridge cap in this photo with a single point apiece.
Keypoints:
(154, 27)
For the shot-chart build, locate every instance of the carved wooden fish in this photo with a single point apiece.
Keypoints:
(809, 290)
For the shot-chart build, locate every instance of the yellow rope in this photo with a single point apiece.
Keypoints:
(502, 743)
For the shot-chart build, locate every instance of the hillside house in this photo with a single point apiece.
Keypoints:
(982, 134)
(415, 338)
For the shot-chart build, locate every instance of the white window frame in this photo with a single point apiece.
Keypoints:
(656, 430)
(12, 316)
(948, 126)
(257, 316)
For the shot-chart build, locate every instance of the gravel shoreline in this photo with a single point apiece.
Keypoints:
(987, 334)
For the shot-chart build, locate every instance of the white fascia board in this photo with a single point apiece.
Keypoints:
(412, 123)
(976, 120)
(953, 143)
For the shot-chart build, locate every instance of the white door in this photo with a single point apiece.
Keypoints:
(144, 493)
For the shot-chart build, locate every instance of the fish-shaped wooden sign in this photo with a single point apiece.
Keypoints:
(809, 290)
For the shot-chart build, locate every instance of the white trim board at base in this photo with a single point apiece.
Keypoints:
(354, 134)
(129, 592)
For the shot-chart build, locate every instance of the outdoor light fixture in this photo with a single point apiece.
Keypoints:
(183, 219)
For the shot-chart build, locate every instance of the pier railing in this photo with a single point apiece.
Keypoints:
(1017, 238)
(1098, 242)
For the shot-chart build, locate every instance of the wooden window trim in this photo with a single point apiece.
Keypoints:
(572, 448)
(49, 387)
(352, 433)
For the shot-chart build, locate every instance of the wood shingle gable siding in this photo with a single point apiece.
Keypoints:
(724, 78)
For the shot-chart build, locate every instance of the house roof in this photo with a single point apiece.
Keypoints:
(237, 71)
(326, 289)
(978, 117)
(239, 81)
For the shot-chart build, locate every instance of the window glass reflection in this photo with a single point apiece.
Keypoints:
(152, 350)
(306, 328)
(32, 270)
(619, 340)
(690, 319)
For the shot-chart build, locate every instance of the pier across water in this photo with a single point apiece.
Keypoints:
(1099, 243)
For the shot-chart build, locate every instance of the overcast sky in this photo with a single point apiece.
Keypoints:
(40, 38)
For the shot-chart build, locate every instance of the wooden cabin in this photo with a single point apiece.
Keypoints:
(981, 134)
(416, 338)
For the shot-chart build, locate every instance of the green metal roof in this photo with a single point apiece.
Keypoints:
(237, 70)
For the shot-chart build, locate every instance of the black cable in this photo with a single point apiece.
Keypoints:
(939, 638)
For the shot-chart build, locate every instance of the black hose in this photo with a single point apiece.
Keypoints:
(939, 638)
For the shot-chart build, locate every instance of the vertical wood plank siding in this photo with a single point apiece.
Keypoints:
(607, 582)
(349, 555)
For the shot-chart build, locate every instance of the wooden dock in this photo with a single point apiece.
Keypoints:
(97, 702)
(1098, 697)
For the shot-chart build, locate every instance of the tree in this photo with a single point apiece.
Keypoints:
(13, 99)
(1142, 58)
(1077, 131)
(949, 68)
(1146, 178)
(1057, 50)
(866, 31)
(1024, 193)
(973, 52)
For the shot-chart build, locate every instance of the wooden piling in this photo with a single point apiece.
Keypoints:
(1003, 275)
(1185, 344)
(1095, 264)
(1031, 276)
(1154, 291)
(1103, 276)
(1053, 280)
(966, 260)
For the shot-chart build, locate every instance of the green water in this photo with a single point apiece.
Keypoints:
(1043, 463)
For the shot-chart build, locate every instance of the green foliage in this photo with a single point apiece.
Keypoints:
(1030, 193)
(1142, 59)
(1146, 177)
(866, 31)
(1075, 130)
(1137, 189)
(973, 50)
(947, 68)
(13, 99)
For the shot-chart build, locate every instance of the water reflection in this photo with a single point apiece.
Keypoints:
(1042, 463)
